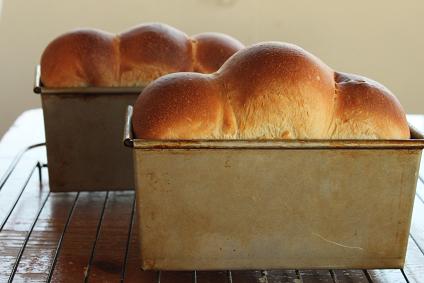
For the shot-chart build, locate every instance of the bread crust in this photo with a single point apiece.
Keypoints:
(91, 57)
(366, 109)
(69, 60)
(269, 90)
(212, 49)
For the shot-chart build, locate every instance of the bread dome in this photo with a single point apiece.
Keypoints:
(270, 90)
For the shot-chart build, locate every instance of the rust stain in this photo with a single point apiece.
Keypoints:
(148, 264)
(227, 164)
(193, 226)
(410, 145)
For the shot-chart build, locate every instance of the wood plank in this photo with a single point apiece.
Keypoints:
(17, 137)
(39, 252)
(133, 272)
(13, 235)
(285, 275)
(212, 277)
(316, 275)
(268, 276)
(417, 225)
(13, 191)
(110, 249)
(386, 275)
(78, 241)
(420, 188)
(176, 276)
(349, 276)
(248, 276)
(27, 236)
(414, 266)
(15, 172)
(10, 244)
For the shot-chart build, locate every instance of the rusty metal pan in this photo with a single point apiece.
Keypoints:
(83, 128)
(207, 205)
(416, 142)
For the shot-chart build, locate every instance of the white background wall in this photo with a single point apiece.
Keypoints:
(380, 39)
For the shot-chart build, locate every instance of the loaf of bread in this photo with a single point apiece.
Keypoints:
(269, 91)
(90, 57)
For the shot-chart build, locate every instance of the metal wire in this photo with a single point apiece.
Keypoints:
(127, 248)
(404, 275)
(230, 276)
(22, 249)
(93, 249)
(59, 244)
(39, 165)
(18, 197)
(195, 276)
(15, 161)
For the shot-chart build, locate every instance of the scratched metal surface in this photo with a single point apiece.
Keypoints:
(93, 123)
(69, 237)
(274, 203)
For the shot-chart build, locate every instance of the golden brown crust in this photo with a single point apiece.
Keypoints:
(269, 91)
(179, 106)
(366, 109)
(135, 57)
(211, 50)
(149, 51)
(80, 58)
(281, 86)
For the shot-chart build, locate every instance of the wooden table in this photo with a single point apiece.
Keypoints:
(73, 237)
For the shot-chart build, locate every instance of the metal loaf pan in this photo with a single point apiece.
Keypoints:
(83, 129)
(240, 204)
